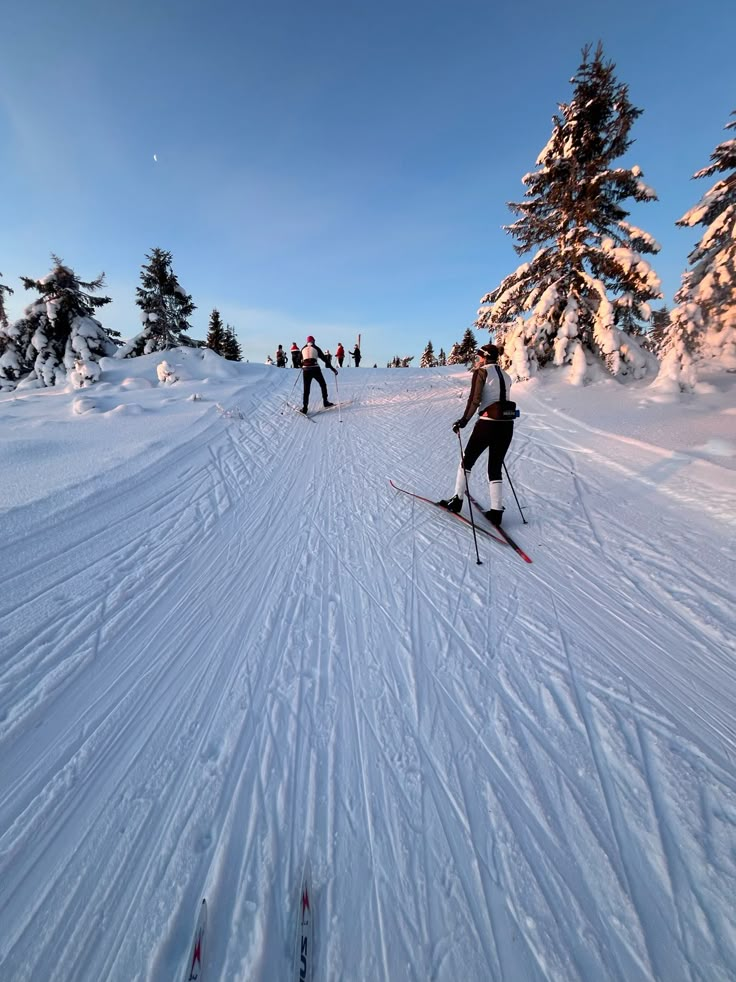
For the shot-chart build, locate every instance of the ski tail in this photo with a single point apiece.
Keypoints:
(502, 532)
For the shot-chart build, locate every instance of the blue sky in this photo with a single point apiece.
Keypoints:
(327, 167)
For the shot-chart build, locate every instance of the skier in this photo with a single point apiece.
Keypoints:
(296, 356)
(489, 385)
(356, 356)
(311, 370)
(280, 357)
(269, 360)
(328, 359)
(340, 354)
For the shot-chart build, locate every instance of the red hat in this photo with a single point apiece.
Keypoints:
(310, 339)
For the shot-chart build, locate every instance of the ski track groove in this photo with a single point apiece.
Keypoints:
(441, 726)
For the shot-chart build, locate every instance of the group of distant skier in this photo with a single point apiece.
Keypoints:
(489, 398)
(281, 359)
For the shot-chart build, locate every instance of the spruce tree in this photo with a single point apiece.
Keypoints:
(57, 340)
(583, 296)
(428, 359)
(216, 333)
(3, 315)
(442, 358)
(463, 352)
(165, 308)
(231, 346)
(704, 321)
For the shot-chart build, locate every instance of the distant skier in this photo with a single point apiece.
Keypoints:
(280, 357)
(311, 370)
(328, 359)
(340, 354)
(356, 356)
(489, 385)
(296, 356)
(269, 360)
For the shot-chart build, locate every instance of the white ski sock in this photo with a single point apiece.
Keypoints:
(460, 482)
(496, 495)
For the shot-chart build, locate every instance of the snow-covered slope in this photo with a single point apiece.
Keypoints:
(227, 646)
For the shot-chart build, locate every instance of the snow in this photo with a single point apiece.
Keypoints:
(227, 646)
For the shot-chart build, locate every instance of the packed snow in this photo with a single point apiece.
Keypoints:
(229, 647)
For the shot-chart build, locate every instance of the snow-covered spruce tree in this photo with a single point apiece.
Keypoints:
(57, 340)
(215, 333)
(428, 359)
(231, 346)
(442, 358)
(463, 352)
(165, 309)
(583, 295)
(704, 322)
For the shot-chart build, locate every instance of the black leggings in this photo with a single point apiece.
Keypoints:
(495, 437)
(313, 373)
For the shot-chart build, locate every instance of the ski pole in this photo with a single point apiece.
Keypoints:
(286, 400)
(470, 500)
(339, 407)
(508, 478)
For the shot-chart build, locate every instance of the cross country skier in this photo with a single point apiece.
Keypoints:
(489, 385)
(311, 370)
(340, 354)
(296, 356)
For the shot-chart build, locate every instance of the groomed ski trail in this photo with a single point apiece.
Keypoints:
(251, 644)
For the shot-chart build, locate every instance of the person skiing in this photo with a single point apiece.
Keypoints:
(328, 358)
(280, 357)
(356, 355)
(296, 356)
(340, 354)
(489, 385)
(311, 370)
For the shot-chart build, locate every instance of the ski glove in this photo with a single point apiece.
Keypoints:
(334, 370)
(459, 424)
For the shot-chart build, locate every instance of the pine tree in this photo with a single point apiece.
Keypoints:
(585, 292)
(216, 333)
(463, 352)
(231, 346)
(165, 308)
(57, 340)
(428, 359)
(441, 358)
(706, 312)
(3, 315)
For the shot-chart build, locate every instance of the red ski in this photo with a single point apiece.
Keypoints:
(503, 532)
(461, 518)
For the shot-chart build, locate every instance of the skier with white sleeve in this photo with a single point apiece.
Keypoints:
(493, 431)
(311, 370)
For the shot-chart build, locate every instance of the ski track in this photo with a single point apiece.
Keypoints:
(497, 771)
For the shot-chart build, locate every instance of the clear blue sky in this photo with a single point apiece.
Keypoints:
(327, 167)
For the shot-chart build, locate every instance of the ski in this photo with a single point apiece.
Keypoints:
(196, 958)
(298, 411)
(461, 518)
(303, 951)
(514, 545)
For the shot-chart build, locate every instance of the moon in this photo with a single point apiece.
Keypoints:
(155, 158)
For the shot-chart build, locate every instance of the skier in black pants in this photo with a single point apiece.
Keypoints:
(311, 370)
(489, 434)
